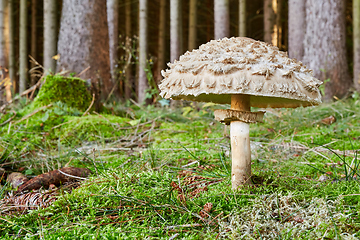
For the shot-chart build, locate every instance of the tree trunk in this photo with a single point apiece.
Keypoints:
(269, 21)
(33, 50)
(221, 19)
(11, 47)
(128, 86)
(85, 46)
(113, 23)
(174, 30)
(278, 25)
(50, 34)
(324, 45)
(161, 41)
(23, 58)
(4, 28)
(143, 82)
(296, 28)
(242, 18)
(4, 51)
(356, 39)
(192, 25)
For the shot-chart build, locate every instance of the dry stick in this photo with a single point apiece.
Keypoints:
(215, 217)
(88, 109)
(112, 124)
(33, 113)
(63, 124)
(72, 176)
(12, 117)
(83, 71)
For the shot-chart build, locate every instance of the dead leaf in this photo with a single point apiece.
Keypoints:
(206, 210)
(329, 120)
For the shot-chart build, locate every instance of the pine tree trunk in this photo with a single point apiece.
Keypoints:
(221, 19)
(50, 35)
(4, 51)
(278, 25)
(296, 28)
(128, 85)
(113, 23)
(192, 25)
(11, 46)
(23, 58)
(86, 46)
(174, 30)
(356, 39)
(4, 28)
(324, 45)
(269, 22)
(142, 82)
(161, 41)
(242, 18)
(33, 50)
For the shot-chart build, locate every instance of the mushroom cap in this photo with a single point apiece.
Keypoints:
(221, 68)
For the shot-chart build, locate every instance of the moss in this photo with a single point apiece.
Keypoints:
(69, 90)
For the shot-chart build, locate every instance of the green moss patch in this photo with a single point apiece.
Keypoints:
(69, 90)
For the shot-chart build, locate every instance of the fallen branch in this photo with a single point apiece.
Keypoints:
(11, 118)
(55, 177)
(83, 71)
(91, 104)
(33, 113)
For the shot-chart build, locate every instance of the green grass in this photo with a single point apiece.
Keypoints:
(155, 169)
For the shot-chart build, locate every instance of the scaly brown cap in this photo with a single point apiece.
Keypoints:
(241, 65)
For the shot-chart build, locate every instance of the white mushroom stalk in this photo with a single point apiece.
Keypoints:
(240, 143)
(244, 73)
(239, 116)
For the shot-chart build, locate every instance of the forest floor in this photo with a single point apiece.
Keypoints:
(162, 173)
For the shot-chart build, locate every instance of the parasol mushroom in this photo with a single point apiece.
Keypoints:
(244, 73)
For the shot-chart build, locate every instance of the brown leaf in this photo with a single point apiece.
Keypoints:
(206, 210)
(298, 219)
(329, 120)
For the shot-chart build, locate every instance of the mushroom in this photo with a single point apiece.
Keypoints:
(244, 73)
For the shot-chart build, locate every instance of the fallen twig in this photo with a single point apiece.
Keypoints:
(11, 118)
(33, 113)
(91, 104)
(83, 71)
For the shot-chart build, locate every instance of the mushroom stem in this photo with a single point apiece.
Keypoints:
(240, 143)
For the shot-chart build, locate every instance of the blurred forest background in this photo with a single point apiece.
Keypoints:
(121, 46)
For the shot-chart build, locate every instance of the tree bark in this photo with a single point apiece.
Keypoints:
(23, 58)
(84, 42)
(4, 36)
(242, 18)
(269, 21)
(192, 25)
(324, 45)
(278, 25)
(221, 19)
(356, 39)
(142, 82)
(174, 30)
(50, 35)
(128, 84)
(33, 50)
(161, 41)
(113, 25)
(4, 51)
(11, 46)
(296, 28)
